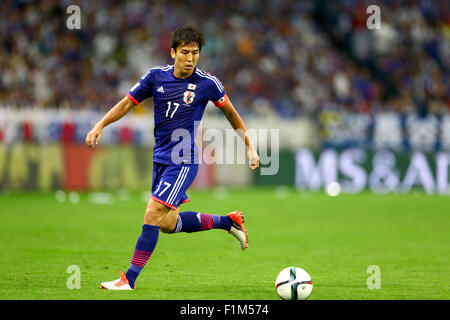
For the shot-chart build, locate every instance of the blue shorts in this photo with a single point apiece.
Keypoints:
(170, 183)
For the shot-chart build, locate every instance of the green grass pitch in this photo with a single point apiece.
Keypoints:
(334, 238)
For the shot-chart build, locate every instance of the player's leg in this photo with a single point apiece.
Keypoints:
(155, 213)
(170, 221)
(233, 222)
(167, 181)
(192, 221)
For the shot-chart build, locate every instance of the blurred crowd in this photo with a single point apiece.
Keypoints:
(285, 58)
(409, 57)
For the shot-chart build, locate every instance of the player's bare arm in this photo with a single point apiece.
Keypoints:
(238, 124)
(116, 112)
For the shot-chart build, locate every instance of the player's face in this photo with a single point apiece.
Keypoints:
(186, 58)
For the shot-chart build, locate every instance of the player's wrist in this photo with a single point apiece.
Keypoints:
(250, 146)
(99, 126)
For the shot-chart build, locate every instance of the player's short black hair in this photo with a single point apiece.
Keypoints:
(186, 35)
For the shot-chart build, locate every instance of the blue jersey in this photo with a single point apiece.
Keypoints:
(178, 107)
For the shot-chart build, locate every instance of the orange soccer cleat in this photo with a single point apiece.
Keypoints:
(238, 229)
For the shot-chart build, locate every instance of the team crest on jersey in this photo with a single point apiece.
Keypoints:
(188, 97)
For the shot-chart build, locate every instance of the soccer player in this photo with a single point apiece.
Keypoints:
(180, 92)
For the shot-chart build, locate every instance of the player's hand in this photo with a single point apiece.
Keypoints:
(253, 159)
(93, 136)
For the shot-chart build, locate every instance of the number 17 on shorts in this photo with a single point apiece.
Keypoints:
(170, 183)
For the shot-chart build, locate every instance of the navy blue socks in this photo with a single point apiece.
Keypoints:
(191, 221)
(143, 250)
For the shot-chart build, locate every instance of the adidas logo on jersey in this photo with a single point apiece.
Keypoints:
(160, 89)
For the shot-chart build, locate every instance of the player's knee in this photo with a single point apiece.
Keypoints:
(164, 227)
(170, 222)
(155, 213)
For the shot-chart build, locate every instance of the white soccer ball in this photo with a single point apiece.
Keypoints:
(293, 283)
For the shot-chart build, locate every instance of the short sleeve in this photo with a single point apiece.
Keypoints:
(143, 89)
(216, 91)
